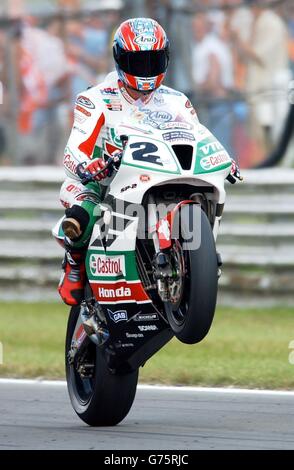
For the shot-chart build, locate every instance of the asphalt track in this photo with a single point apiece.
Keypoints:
(38, 415)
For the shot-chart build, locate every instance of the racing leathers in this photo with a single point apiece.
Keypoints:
(98, 113)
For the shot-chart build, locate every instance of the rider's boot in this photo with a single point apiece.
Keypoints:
(72, 282)
(77, 227)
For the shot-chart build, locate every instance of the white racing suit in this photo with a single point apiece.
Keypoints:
(98, 112)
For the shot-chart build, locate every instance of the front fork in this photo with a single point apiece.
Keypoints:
(161, 231)
(91, 326)
(165, 272)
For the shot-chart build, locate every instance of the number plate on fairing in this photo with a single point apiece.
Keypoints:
(148, 153)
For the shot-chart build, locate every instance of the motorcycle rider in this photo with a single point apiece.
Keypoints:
(141, 55)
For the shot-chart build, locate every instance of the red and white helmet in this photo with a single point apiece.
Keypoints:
(141, 53)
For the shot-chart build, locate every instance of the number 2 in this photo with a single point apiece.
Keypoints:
(145, 153)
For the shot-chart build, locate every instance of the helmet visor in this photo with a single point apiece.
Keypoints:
(143, 64)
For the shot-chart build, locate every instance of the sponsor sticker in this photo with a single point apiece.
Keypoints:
(145, 85)
(82, 110)
(211, 147)
(90, 197)
(175, 125)
(160, 116)
(169, 91)
(113, 104)
(147, 327)
(81, 131)
(189, 105)
(69, 163)
(134, 335)
(120, 292)
(109, 91)
(214, 161)
(71, 188)
(146, 317)
(86, 102)
(178, 135)
(158, 101)
(101, 265)
(118, 315)
(145, 40)
(131, 186)
(78, 118)
(144, 178)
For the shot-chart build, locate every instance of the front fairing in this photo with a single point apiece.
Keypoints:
(150, 157)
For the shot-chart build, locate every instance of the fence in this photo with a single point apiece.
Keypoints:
(256, 238)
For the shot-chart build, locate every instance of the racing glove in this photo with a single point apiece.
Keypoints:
(234, 173)
(96, 166)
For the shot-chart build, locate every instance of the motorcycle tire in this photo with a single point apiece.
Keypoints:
(192, 317)
(105, 398)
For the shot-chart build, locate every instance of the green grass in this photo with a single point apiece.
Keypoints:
(245, 348)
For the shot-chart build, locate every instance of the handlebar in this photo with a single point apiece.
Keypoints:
(232, 179)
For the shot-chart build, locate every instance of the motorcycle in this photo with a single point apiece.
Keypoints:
(152, 264)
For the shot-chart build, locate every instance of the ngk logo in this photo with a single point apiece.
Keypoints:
(101, 265)
(114, 293)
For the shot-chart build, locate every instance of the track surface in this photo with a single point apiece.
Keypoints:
(39, 416)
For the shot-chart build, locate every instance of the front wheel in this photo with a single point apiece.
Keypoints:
(99, 397)
(191, 313)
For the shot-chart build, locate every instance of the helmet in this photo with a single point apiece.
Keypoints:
(141, 53)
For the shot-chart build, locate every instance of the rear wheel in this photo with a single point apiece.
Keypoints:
(99, 397)
(194, 292)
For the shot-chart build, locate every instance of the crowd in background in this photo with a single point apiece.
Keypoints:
(235, 62)
(241, 72)
(50, 60)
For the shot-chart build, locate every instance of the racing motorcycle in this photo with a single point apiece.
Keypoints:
(152, 265)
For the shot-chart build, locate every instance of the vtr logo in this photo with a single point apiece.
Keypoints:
(211, 147)
(101, 265)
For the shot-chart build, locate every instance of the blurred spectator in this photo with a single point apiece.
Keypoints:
(88, 49)
(172, 14)
(291, 35)
(237, 67)
(2, 102)
(43, 72)
(212, 67)
(268, 73)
